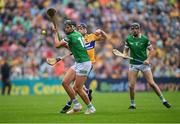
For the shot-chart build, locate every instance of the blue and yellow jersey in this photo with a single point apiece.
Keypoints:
(90, 40)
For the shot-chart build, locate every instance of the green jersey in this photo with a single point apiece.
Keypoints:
(76, 45)
(138, 47)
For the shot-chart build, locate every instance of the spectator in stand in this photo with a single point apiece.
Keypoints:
(24, 21)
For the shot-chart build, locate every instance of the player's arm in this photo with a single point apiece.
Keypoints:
(126, 49)
(150, 53)
(58, 40)
(101, 34)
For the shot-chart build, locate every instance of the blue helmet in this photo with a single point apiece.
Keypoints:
(83, 25)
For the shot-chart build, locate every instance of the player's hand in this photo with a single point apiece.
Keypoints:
(54, 29)
(146, 62)
(98, 32)
(125, 56)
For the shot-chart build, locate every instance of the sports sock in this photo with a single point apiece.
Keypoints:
(133, 103)
(90, 105)
(162, 98)
(69, 103)
(75, 101)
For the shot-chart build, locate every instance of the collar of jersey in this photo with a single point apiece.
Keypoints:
(139, 35)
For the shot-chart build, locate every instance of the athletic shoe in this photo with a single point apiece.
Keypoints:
(132, 107)
(166, 104)
(90, 111)
(90, 94)
(65, 109)
(76, 108)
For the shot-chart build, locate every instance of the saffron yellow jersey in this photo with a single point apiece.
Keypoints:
(90, 40)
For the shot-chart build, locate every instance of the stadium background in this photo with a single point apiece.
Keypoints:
(26, 47)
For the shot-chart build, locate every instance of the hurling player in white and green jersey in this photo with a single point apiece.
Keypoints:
(138, 45)
(79, 71)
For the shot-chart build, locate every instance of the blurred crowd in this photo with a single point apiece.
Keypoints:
(26, 38)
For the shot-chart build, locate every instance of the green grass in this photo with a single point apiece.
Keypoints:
(111, 108)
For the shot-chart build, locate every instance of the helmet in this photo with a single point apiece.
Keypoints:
(83, 25)
(133, 25)
(69, 22)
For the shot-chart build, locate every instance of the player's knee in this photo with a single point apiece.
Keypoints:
(65, 83)
(75, 89)
(78, 90)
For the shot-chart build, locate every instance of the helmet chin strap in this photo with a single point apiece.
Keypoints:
(73, 27)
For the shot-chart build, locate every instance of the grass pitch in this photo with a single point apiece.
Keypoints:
(111, 108)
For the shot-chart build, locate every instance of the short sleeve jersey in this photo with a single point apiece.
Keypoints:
(138, 47)
(76, 45)
(90, 40)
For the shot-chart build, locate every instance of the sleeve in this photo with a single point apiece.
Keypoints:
(148, 43)
(126, 43)
(96, 38)
(65, 40)
(91, 37)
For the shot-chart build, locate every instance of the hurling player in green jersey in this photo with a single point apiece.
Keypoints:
(79, 71)
(138, 45)
(90, 40)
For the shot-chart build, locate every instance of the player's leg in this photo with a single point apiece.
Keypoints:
(82, 70)
(149, 77)
(69, 76)
(77, 108)
(88, 91)
(3, 88)
(132, 76)
(9, 87)
(68, 104)
(78, 87)
(66, 107)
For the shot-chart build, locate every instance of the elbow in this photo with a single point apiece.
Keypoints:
(57, 45)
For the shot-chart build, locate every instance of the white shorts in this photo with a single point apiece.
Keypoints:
(142, 67)
(82, 69)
